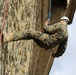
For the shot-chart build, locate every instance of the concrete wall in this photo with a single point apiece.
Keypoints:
(25, 57)
(17, 58)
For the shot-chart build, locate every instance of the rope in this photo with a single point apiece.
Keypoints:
(3, 19)
(49, 14)
(1, 38)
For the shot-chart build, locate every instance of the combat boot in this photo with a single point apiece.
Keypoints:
(7, 37)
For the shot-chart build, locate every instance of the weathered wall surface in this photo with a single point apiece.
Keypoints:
(25, 57)
(21, 15)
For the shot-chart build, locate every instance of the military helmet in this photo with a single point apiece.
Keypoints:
(65, 18)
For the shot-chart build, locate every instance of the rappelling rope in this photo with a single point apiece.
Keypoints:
(3, 19)
(1, 36)
(49, 14)
(49, 11)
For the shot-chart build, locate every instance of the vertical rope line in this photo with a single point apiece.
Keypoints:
(1, 40)
(3, 19)
(49, 14)
(4, 16)
(42, 15)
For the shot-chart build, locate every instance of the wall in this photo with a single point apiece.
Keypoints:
(21, 15)
(25, 57)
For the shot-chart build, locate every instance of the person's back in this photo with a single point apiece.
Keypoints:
(57, 33)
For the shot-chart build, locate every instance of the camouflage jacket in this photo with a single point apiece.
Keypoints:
(61, 30)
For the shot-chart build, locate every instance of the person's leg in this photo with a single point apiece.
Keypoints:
(40, 37)
(27, 34)
(8, 37)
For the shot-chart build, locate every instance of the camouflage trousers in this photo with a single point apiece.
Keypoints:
(32, 34)
(49, 40)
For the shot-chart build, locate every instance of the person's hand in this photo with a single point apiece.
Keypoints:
(47, 22)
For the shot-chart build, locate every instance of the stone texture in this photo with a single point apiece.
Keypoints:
(21, 15)
(25, 57)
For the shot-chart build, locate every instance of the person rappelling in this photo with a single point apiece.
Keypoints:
(53, 35)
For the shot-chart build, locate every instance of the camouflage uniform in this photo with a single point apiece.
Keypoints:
(52, 36)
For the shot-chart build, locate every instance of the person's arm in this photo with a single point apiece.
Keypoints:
(52, 28)
(61, 49)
